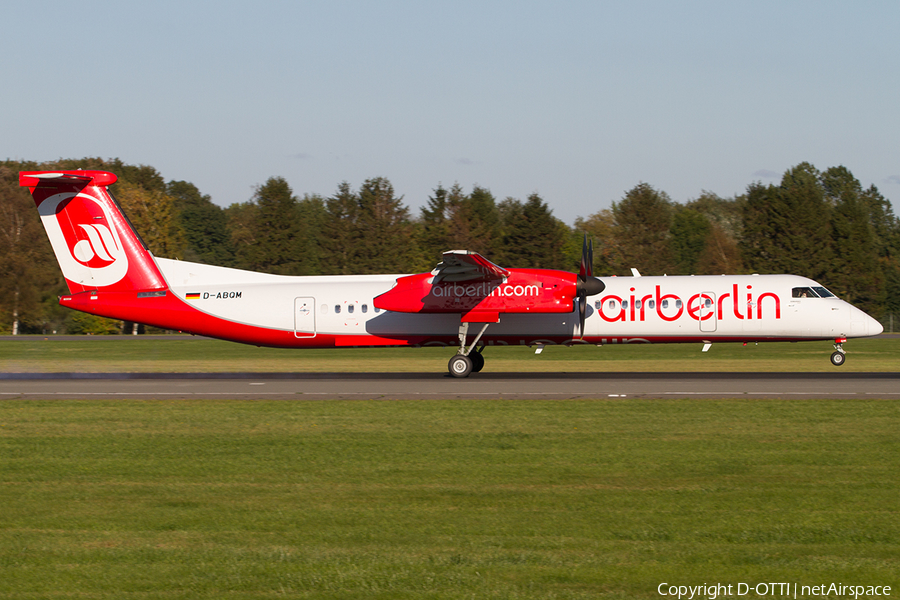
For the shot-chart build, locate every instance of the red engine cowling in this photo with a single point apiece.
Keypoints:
(523, 291)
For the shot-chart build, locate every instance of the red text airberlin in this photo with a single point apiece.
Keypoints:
(700, 307)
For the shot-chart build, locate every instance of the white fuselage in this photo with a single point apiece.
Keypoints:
(339, 310)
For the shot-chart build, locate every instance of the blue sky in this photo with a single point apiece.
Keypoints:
(578, 101)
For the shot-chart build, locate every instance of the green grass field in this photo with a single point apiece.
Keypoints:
(185, 353)
(441, 499)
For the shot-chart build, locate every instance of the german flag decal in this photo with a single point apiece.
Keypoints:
(192, 296)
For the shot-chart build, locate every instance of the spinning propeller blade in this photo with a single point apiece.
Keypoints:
(587, 285)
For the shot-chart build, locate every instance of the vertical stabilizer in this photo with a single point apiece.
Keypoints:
(94, 243)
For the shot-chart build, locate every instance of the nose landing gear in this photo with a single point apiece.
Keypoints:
(838, 357)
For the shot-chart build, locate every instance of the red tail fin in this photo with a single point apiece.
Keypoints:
(95, 245)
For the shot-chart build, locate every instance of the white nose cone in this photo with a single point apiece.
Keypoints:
(874, 327)
(862, 325)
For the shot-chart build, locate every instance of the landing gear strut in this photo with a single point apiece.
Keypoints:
(838, 357)
(468, 359)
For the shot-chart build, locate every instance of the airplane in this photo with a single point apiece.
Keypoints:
(465, 301)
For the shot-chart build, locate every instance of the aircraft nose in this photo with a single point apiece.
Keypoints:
(861, 324)
(873, 326)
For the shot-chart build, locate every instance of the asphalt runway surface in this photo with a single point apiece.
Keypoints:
(487, 386)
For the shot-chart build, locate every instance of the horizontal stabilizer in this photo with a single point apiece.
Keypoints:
(35, 178)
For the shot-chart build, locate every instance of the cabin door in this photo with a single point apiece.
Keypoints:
(707, 312)
(305, 317)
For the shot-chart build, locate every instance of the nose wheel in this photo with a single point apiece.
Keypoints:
(838, 357)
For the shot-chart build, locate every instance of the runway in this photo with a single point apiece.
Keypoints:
(424, 386)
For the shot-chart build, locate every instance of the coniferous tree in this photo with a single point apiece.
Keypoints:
(886, 229)
(787, 228)
(276, 230)
(600, 229)
(533, 237)
(204, 224)
(311, 214)
(690, 231)
(480, 231)
(643, 219)
(855, 273)
(340, 232)
(369, 231)
(384, 223)
(473, 221)
(434, 235)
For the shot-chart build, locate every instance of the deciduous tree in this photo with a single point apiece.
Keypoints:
(154, 217)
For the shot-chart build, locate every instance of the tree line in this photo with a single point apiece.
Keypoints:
(820, 224)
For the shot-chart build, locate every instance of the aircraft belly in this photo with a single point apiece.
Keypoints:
(440, 325)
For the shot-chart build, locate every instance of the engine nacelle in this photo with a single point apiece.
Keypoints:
(523, 291)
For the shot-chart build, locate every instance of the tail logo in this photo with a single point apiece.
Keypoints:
(99, 239)
(84, 239)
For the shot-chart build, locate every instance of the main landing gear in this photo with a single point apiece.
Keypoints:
(838, 357)
(467, 360)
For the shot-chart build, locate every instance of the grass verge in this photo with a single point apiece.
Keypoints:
(443, 499)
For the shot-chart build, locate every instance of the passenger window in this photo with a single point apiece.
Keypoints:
(624, 304)
(365, 308)
(337, 309)
(678, 304)
(612, 304)
(664, 304)
(377, 310)
(708, 303)
(651, 304)
(598, 304)
(637, 304)
(350, 309)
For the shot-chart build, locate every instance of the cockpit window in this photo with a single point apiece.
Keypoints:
(815, 291)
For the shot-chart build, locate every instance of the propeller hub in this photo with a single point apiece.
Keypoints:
(590, 286)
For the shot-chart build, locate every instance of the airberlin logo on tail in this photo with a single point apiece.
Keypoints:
(84, 240)
(100, 244)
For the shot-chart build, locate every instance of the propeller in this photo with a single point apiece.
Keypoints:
(587, 284)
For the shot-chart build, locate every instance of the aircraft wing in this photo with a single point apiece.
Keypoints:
(463, 265)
